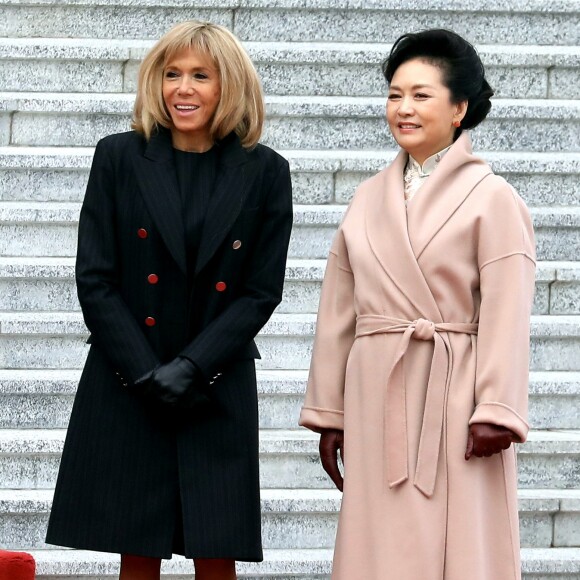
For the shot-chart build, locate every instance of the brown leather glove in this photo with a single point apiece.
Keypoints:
(486, 439)
(331, 442)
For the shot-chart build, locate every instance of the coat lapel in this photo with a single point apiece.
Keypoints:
(234, 178)
(444, 192)
(157, 180)
(386, 227)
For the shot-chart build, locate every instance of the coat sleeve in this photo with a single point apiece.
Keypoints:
(335, 333)
(241, 321)
(506, 256)
(113, 328)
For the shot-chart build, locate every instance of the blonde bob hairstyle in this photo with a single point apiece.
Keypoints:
(241, 104)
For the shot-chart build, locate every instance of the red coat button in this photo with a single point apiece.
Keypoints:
(150, 321)
(142, 233)
(220, 286)
(153, 278)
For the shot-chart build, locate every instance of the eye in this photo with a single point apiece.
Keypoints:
(421, 96)
(393, 97)
(200, 76)
(170, 74)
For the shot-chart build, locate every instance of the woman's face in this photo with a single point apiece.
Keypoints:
(191, 91)
(419, 109)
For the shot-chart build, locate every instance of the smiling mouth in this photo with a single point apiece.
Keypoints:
(186, 107)
(408, 126)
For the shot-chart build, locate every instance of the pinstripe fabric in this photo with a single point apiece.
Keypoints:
(128, 465)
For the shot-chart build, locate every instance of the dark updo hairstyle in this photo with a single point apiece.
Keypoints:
(462, 69)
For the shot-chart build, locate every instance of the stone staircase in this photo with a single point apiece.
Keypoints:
(67, 76)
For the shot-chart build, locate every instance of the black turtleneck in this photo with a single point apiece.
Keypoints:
(196, 174)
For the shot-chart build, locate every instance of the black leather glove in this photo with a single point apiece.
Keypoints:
(331, 443)
(176, 384)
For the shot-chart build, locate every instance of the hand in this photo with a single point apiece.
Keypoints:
(176, 384)
(486, 439)
(332, 441)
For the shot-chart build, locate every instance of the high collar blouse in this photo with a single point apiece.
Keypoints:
(415, 174)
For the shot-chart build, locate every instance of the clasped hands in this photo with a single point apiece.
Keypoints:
(177, 383)
(484, 440)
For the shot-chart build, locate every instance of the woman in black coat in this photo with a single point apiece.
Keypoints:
(183, 237)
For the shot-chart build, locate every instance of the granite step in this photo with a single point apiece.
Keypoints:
(42, 399)
(48, 284)
(294, 122)
(285, 68)
(537, 564)
(29, 459)
(50, 229)
(307, 518)
(318, 177)
(57, 340)
(521, 22)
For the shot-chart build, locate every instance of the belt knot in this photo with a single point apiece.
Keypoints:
(423, 329)
(395, 413)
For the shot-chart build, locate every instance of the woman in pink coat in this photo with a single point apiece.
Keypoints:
(419, 373)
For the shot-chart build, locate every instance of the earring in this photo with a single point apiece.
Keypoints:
(457, 123)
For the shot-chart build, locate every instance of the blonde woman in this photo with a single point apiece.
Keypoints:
(183, 237)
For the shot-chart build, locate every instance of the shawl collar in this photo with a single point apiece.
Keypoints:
(443, 192)
(157, 179)
(398, 244)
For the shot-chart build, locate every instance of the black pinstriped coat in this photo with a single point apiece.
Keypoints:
(134, 476)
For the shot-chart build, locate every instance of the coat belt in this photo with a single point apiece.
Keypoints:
(395, 416)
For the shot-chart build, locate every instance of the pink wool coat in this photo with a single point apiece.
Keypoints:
(423, 328)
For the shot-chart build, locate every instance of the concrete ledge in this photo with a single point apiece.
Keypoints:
(307, 518)
(270, 382)
(319, 177)
(537, 564)
(288, 459)
(557, 6)
(71, 323)
(319, 53)
(291, 20)
(24, 212)
(31, 267)
(31, 399)
(293, 106)
(306, 161)
(50, 229)
(276, 441)
(95, 65)
(57, 340)
(303, 122)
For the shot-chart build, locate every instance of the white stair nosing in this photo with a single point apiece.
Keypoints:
(331, 53)
(300, 270)
(298, 106)
(80, 158)
(278, 441)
